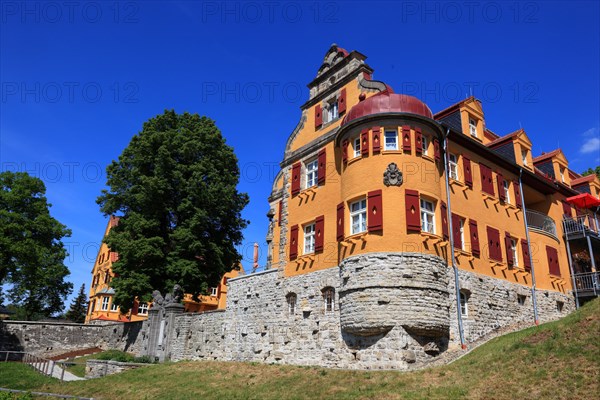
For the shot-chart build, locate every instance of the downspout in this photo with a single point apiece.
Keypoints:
(451, 239)
(524, 209)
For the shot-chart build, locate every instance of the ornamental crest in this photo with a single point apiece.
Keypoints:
(392, 175)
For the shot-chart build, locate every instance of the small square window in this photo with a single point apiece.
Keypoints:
(114, 307)
(312, 168)
(213, 291)
(464, 304)
(332, 110)
(515, 253)
(391, 140)
(356, 147)
(453, 166)
(105, 301)
(427, 216)
(358, 216)
(524, 157)
(425, 141)
(506, 192)
(521, 299)
(309, 239)
(462, 233)
(291, 302)
(329, 299)
(143, 309)
(559, 306)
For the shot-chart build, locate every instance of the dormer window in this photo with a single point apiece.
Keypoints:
(562, 175)
(524, 157)
(472, 127)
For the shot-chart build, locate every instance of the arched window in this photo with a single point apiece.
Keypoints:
(464, 300)
(329, 299)
(291, 302)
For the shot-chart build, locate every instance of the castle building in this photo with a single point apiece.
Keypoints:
(102, 308)
(375, 184)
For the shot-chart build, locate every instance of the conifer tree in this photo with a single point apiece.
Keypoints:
(78, 307)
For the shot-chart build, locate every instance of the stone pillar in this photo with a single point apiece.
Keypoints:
(154, 322)
(167, 329)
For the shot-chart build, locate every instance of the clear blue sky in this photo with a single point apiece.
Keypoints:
(79, 79)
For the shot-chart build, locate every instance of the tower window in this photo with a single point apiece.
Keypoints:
(356, 146)
(427, 216)
(329, 299)
(358, 216)
(391, 140)
(311, 173)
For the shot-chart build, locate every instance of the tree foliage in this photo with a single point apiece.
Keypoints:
(174, 187)
(31, 251)
(591, 171)
(78, 308)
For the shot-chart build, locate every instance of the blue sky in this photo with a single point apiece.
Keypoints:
(79, 79)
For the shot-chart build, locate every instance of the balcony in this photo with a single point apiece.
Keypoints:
(587, 284)
(581, 225)
(541, 222)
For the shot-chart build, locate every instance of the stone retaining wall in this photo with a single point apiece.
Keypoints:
(100, 368)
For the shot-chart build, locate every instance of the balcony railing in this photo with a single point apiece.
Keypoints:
(588, 282)
(579, 224)
(542, 222)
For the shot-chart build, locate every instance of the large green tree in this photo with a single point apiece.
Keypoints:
(78, 307)
(31, 250)
(591, 171)
(175, 188)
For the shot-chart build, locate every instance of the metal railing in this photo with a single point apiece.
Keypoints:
(541, 222)
(579, 224)
(47, 367)
(588, 282)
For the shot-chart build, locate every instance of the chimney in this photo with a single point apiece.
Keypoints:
(255, 258)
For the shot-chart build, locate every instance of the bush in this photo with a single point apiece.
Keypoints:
(144, 360)
(115, 355)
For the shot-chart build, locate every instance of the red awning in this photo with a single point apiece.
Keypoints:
(584, 200)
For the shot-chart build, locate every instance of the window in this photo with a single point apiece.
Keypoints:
(356, 146)
(309, 239)
(521, 299)
(105, 301)
(113, 307)
(473, 127)
(213, 292)
(464, 299)
(93, 306)
(329, 299)
(143, 309)
(513, 249)
(311, 173)
(358, 216)
(452, 166)
(462, 233)
(107, 277)
(559, 306)
(562, 175)
(391, 140)
(291, 302)
(524, 156)
(506, 192)
(332, 110)
(427, 216)
(425, 142)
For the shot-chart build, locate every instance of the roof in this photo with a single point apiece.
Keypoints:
(545, 156)
(504, 138)
(387, 102)
(583, 179)
(452, 108)
(121, 318)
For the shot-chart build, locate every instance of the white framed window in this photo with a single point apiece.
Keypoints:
(356, 146)
(358, 216)
(391, 140)
(515, 253)
(113, 306)
(462, 233)
(105, 301)
(506, 192)
(427, 216)
(332, 110)
(213, 291)
(309, 238)
(524, 157)
(143, 309)
(312, 168)
(562, 175)
(472, 127)
(425, 141)
(329, 299)
(291, 299)
(453, 166)
(464, 304)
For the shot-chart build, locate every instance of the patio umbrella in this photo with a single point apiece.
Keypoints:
(584, 200)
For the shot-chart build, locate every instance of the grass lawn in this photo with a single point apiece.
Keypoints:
(79, 368)
(559, 360)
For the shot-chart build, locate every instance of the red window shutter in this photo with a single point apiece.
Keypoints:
(552, 261)
(318, 116)
(413, 210)
(375, 211)
(279, 212)
(134, 308)
(364, 142)
(345, 151)
(340, 222)
(342, 102)
(456, 231)
(444, 220)
(319, 233)
(474, 235)
(296, 168)
(494, 244)
(486, 179)
(294, 242)
(406, 138)
(436, 149)
(114, 257)
(567, 209)
(467, 171)
(526, 259)
(508, 245)
(322, 169)
(376, 138)
(517, 194)
(418, 141)
(500, 181)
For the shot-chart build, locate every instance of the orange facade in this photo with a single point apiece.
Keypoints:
(331, 199)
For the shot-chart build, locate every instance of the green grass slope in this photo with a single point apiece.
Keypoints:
(558, 360)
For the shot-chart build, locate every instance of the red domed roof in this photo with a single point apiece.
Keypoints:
(386, 102)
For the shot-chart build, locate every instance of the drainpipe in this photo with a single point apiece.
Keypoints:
(451, 237)
(524, 209)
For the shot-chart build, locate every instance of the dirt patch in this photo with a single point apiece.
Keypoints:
(75, 353)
